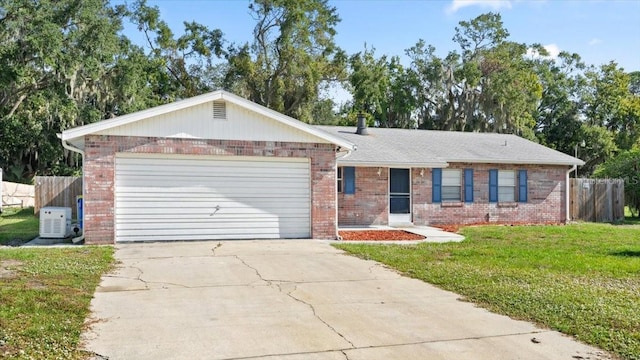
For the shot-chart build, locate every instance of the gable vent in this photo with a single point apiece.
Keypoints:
(219, 110)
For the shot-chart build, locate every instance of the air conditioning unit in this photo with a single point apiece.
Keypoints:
(55, 222)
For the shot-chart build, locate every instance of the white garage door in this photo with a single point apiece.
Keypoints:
(211, 198)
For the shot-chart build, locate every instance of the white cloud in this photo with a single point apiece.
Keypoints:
(595, 41)
(493, 4)
(552, 49)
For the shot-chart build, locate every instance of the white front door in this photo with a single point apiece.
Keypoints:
(399, 196)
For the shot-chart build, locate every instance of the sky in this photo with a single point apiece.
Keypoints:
(600, 31)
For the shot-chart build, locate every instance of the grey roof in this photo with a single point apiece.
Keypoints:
(429, 148)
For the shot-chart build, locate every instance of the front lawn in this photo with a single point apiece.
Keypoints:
(17, 226)
(44, 292)
(583, 279)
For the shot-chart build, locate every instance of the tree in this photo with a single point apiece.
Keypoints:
(558, 114)
(634, 83)
(599, 146)
(186, 65)
(427, 74)
(292, 55)
(611, 104)
(488, 86)
(625, 165)
(52, 56)
(65, 63)
(510, 90)
(383, 88)
(324, 113)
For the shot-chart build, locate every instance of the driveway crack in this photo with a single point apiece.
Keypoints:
(139, 277)
(268, 281)
(213, 250)
(146, 283)
(278, 283)
(313, 310)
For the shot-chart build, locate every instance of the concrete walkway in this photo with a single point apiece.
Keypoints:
(293, 300)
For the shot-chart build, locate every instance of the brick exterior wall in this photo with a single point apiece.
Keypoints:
(546, 198)
(369, 205)
(99, 175)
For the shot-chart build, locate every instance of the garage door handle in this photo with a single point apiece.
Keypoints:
(217, 209)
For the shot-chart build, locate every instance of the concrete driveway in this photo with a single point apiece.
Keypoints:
(293, 300)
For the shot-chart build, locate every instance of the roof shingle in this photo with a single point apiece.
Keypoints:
(430, 148)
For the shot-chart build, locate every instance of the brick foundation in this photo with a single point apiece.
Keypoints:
(99, 175)
(546, 198)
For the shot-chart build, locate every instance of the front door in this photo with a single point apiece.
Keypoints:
(399, 196)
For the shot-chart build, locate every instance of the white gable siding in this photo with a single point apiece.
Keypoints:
(197, 122)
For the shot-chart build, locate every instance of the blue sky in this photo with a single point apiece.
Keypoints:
(598, 30)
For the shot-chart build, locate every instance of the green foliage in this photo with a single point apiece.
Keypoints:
(177, 62)
(625, 165)
(557, 116)
(490, 86)
(292, 54)
(45, 295)
(599, 146)
(578, 279)
(52, 66)
(481, 33)
(634, 83)
(494, 85)
(611, 104)
(66, 63)
(381, 87)
(323, 113)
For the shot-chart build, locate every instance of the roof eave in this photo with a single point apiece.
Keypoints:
(392, 164)
(517, 162)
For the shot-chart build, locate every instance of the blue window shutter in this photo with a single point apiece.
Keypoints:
(436, 178)
(493, 185)
(468, 185)
(522, 186)
(349, 178)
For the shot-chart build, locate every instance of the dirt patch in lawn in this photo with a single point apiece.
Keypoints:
(379, 235)
(7, 268)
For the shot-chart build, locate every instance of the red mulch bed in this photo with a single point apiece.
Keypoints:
(379, 235)
(449, 228)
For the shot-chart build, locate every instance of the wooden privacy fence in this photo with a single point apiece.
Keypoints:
(57, 191)
(597, 200)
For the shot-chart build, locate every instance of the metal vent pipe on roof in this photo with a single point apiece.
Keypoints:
(362, 125)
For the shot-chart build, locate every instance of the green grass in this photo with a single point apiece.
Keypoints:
(628, 219)
(17, 226)
(583, 279)
(44, 292)
(45, 295)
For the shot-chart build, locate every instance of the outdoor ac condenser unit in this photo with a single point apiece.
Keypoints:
(55, 222)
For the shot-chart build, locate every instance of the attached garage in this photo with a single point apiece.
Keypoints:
(212, 167)
(210, 198)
